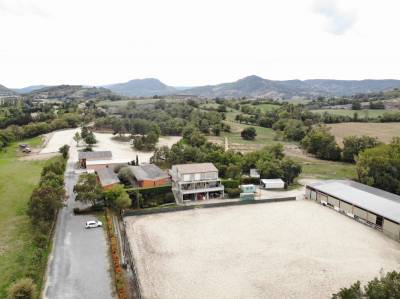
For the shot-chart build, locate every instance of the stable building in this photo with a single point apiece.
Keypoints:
(107, 178)
(369, 205)
(85, 157)
(149, 175)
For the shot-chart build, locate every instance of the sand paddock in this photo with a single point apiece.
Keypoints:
(293, 249)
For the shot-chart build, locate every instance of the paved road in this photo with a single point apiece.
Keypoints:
(78, 265)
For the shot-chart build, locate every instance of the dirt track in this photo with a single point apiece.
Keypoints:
(293, 249)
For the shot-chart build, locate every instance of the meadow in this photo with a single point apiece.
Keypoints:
(371, 114)
(17, 181)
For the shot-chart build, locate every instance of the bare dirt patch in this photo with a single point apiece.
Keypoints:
(293, 249)
(383, 131)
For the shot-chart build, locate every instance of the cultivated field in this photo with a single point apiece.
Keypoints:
(383, 131)
(295, 249)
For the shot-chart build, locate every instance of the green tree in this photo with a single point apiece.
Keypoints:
(249, 133)
(356, 106)
(387, 286)
(90, 139)
(295, 130)
(380, 166)
(290, 170)
(117, 197)
(87, 189)
(320, 142)
(84, 132)
(23, 288)
(353, 145)
(64, 151)
(77, 138)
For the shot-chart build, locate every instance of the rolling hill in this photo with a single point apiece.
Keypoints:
(6, 92)
(71, 92)
(142, 88)
(29, 89)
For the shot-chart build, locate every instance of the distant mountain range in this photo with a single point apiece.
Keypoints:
(29, 89)
(251, 86)
(254, 86)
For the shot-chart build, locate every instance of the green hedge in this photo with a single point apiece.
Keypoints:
(233, 192)
(249, 180)
(230, 183)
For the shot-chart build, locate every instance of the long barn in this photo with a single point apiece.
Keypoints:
(373, 206)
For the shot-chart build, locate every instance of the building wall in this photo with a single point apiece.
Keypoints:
(107, 187)
(153, 183)
(390, 228)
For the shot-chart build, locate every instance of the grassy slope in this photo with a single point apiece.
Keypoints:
(17, 180)
(123, 103)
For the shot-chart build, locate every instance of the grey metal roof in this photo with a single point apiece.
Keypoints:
(100, 155)
(195, 168)
(148, 172)
(107, 177)
(369, 198)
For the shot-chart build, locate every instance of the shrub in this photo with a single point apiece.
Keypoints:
(22, 289)
(233, 192)
(250, 180)
(230, 183)
(249, 133)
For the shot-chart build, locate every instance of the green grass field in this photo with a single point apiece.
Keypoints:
(123, 103)
(361, 113)
(320, 169)
(17, 180)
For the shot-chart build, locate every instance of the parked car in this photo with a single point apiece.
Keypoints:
(26, 150)
(23, 145)
(93, 224)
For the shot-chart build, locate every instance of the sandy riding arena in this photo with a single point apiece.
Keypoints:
(295, 249)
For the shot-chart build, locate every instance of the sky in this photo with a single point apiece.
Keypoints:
(189, 43)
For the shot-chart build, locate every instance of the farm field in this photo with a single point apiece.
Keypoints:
(267, 107)
(17, 180)
(208, 253)
(374, 113)
(383, 131)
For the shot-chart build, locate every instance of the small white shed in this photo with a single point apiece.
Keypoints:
(272, 184)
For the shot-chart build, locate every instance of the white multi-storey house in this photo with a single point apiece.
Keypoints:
(198, 181)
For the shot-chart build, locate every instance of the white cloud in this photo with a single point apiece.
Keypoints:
(21, 8)
(338, 20)
(193, 42)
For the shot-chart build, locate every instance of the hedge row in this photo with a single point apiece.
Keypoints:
(119, 276)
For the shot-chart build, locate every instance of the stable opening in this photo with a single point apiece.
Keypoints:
(379, 221)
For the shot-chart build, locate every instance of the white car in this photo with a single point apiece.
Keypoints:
(93, 224)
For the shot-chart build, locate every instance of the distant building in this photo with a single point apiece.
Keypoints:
(149, 175)
(372, 206)
(196, 181)
(272, 184)
(254, 173)
(107, 178)
(83, 157)
(98, 160)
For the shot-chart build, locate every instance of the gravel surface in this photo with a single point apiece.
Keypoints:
(120, 150)
(295, 249)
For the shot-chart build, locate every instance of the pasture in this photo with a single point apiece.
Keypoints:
(362, 114)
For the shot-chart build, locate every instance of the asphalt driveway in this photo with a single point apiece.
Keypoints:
(79, 263)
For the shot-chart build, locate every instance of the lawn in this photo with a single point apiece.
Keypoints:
(375, 113)
(320, 169)
(17, 180)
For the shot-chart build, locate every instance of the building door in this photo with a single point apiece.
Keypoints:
(379, 221)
